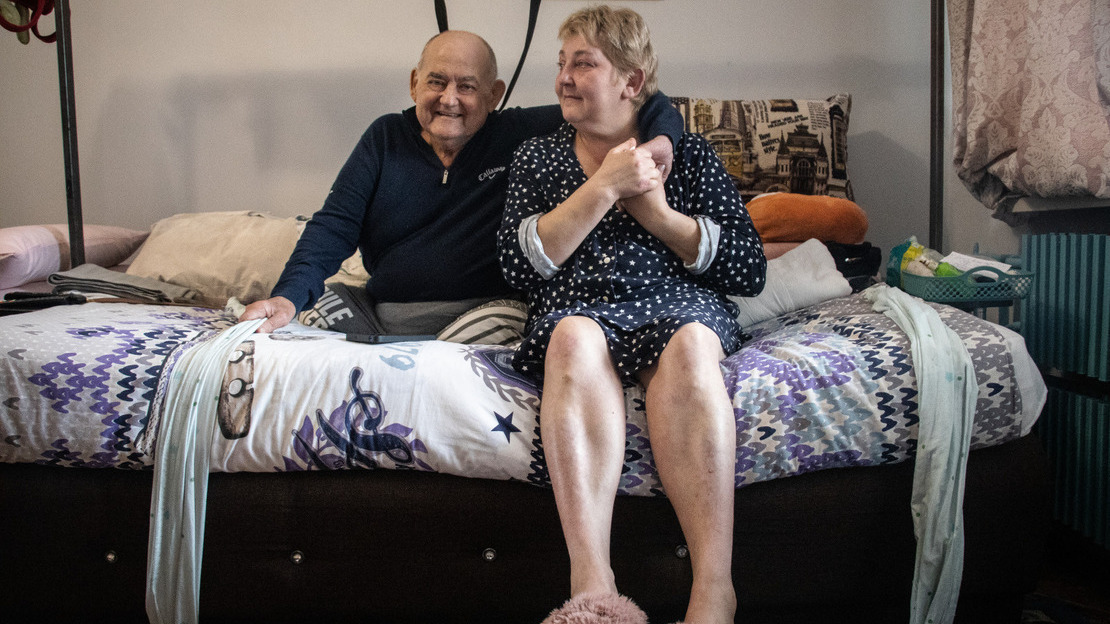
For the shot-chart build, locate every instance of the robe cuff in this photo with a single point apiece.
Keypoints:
(707, 246)
(529, 238)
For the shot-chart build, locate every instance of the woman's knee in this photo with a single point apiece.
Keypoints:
(693, 346)
(689, 367)
(575, 338)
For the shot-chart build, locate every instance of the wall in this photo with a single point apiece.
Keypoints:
(209, 105)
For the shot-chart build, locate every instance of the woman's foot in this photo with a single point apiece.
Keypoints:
(715, 604)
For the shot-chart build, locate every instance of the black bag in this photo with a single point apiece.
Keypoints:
(858, 263)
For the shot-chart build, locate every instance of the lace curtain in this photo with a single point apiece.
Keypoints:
(1031, 98)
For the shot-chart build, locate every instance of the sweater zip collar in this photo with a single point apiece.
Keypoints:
(410, 115)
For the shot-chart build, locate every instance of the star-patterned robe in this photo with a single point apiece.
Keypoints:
(623, 277)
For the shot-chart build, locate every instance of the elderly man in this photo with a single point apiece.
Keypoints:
(422, 197)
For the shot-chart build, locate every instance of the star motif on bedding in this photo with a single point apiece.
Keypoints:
(505, 425)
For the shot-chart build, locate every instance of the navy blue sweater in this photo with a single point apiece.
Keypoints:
(426, 232)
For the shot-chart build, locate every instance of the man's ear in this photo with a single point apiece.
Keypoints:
(412, 84)
(635, 83)
(496, 93)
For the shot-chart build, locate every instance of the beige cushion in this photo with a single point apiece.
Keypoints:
(351, 272)
(499, 322)
(219, 254)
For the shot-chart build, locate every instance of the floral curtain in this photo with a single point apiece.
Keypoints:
(1031, 98)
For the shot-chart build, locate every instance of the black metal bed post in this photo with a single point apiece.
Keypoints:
(936, 127)
(69, 135)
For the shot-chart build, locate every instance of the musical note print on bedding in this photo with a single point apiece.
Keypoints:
(352, 436)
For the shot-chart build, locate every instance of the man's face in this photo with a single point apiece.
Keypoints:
(454, 90)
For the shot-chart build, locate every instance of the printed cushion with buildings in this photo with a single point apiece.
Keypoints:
(777, 145)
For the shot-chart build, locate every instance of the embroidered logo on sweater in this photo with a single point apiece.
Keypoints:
(489, 173)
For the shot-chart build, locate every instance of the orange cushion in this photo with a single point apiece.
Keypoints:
(791, 217)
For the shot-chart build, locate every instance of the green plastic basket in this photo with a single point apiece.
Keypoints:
(965, 289)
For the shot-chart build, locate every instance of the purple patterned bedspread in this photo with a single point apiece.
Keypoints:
(828, 386)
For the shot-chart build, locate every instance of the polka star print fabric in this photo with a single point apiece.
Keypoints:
(622, 276)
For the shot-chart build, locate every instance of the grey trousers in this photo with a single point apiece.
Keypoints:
(350, 310)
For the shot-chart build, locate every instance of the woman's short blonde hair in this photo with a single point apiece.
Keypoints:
(622, 36)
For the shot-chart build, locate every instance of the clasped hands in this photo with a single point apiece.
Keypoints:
(635, 177)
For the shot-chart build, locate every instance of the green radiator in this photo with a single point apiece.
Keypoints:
(1075, 430)
(1066, 317)
(1066, 324)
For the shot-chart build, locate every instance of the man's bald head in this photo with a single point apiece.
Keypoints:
(462, 37)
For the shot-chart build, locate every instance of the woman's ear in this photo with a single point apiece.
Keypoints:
(634, 85)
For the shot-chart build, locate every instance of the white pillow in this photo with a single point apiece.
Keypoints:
(219, 254)
(30, 253)
(801, 277)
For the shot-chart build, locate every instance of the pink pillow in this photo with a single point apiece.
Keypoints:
(29, 253)
(774, 250)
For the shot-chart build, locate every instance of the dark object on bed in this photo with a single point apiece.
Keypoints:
(400, 546)
(20, 302)
(859, 264)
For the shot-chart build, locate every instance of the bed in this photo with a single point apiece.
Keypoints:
(405, 482)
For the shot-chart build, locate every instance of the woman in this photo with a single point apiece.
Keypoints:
(627, 277)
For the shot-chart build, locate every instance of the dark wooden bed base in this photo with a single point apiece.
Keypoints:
(392, 546)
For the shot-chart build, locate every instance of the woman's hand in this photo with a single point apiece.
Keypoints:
(628, 171)
(647, 207)
(677, 231)
(623, 171)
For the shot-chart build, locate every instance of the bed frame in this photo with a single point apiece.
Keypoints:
(399, 546)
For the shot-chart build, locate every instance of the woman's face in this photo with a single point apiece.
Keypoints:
(589, 88)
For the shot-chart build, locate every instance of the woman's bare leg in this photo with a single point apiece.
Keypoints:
(693, 440)
(582, 424)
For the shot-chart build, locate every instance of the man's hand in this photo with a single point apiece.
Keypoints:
(662, 152)
(277, 311)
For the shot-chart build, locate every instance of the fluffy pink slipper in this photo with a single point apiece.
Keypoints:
(597, 609)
